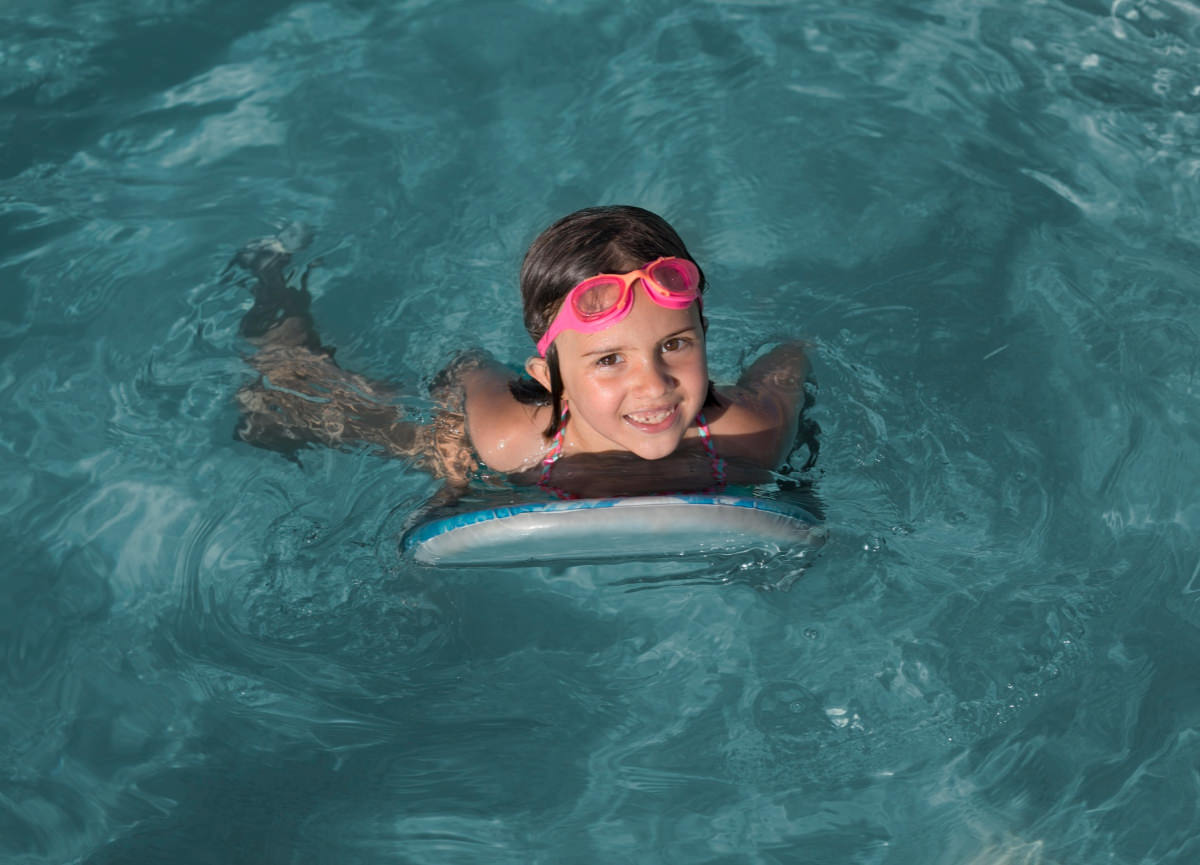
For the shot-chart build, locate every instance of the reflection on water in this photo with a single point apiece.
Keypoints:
(983, 216)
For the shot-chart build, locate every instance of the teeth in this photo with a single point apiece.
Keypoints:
(651, 418)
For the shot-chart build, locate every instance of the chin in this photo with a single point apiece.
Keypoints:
(657, 450)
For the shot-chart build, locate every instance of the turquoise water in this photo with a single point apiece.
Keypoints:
(985, 218)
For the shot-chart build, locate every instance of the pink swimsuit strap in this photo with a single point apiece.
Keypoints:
(716, 464)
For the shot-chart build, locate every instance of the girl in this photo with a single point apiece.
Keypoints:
(617, 399)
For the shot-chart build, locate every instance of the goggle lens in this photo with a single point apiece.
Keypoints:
(676, 276)
(599, 297)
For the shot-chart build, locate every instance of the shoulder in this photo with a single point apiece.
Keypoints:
(506, 434)
(746, 427)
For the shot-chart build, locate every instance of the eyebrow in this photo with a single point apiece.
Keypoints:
(615, 348)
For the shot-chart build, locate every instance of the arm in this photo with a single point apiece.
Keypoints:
(620, 473)
(768, 400)
(779, 375)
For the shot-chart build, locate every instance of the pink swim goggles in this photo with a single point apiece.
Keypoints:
(601, 301)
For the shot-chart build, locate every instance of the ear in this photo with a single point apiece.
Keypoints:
(538, 370)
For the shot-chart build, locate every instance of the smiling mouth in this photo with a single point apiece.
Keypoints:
(652, 421)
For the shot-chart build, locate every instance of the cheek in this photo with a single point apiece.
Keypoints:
(601, 390)
(694, 371)
(590, 388)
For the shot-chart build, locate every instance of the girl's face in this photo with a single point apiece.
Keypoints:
(637, 385)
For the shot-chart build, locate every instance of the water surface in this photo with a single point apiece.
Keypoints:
(984, 216)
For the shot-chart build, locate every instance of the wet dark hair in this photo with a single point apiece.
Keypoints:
(607, 239)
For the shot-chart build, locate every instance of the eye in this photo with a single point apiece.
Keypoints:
(608, 360)
(676, 343)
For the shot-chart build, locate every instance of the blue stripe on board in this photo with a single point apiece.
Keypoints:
(434, 528)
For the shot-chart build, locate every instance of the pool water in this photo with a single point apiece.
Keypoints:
(984, 216)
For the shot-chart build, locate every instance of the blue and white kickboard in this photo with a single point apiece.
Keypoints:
(594, 529)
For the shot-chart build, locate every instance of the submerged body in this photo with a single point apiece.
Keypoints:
(304, 397)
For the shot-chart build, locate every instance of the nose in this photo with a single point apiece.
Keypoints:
(654, 378)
